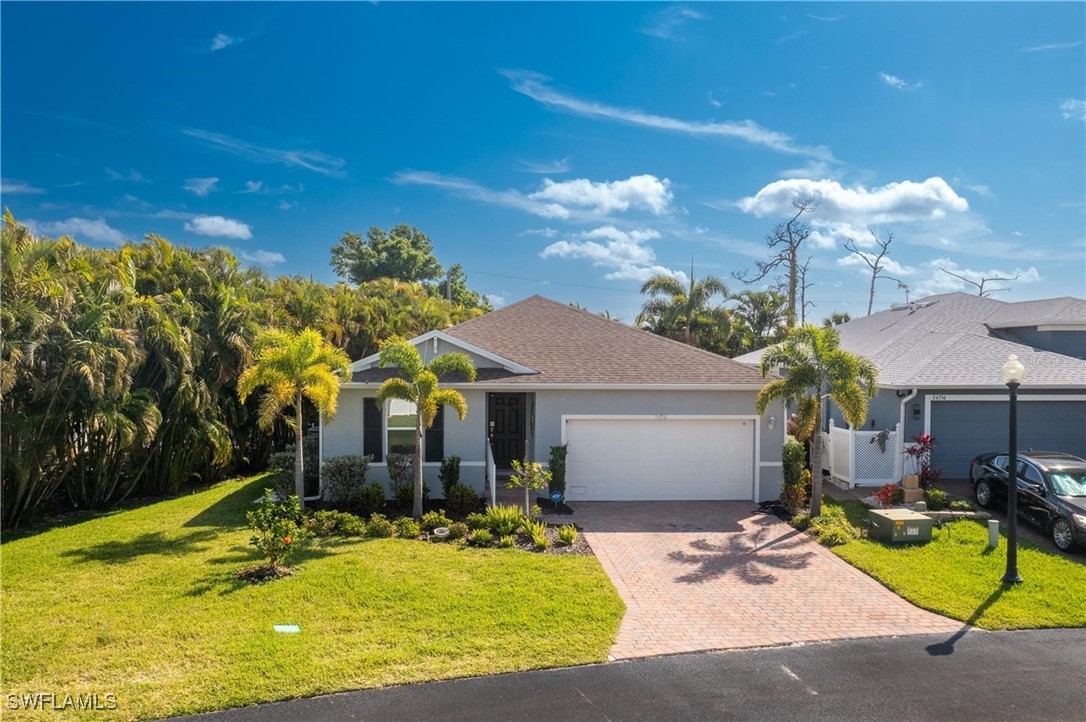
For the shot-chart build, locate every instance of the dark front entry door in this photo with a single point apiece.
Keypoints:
(505, 414)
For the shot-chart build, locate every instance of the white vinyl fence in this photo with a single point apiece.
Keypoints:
(863, 458)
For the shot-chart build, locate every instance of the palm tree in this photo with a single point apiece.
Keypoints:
(418, 384)
(292, 367)
(684, 313)
(815, 367)
(763, 313)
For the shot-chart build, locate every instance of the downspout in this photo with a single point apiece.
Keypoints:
(901, 432)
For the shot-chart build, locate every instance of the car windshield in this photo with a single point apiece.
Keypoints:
(1069, 483)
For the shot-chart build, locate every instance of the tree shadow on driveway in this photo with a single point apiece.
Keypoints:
(743, 558)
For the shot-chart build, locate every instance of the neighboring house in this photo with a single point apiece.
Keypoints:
(645, 417)
(940, 361)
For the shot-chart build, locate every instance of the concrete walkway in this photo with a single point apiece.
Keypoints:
(718, 575)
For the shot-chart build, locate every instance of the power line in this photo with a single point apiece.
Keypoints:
(553, 283)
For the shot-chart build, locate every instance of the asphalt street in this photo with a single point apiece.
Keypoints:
(988, 676)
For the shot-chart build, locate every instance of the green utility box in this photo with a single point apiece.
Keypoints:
(898, 525)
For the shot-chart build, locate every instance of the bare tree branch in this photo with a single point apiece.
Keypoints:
(873, 261)
(983, 280)
(787, 237)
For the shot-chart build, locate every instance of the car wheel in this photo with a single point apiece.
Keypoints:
(1062, 534)
(983, 492)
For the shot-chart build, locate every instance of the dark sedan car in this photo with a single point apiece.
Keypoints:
(1051, 491)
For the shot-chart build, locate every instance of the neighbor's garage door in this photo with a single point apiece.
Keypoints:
(963, 429)
(634, 459)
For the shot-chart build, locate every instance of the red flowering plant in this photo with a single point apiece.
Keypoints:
(920, 453)
(277, 527)
(890, 494)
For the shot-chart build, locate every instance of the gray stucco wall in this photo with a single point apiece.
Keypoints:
(1068, 343)
(467, 438)
(884, 410)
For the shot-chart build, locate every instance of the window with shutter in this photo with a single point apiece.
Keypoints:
(372, 430)
(434, 440)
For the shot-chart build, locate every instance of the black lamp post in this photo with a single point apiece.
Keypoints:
(1013, 372)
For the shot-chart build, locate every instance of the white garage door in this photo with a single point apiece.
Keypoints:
(659, 459)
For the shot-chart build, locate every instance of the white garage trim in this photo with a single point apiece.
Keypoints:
(929, 398)
(756, 455)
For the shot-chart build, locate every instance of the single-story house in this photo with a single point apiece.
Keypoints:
(940, 361)
(645, 417)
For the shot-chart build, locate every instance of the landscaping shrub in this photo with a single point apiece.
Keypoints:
(281, 482)
(480, 538)
(507, 542)
(794, 489)
(461, 499)
(801, 521)
(528, 475)
(335, 523)
(276, 526)
(475, 520)
(401, 469)
(936, 499)
(888, 493)
(379, 527)
(281, 461)
(567, 534)
(502, 519)
(960, 505)
(433, 519)
(920, 453)
(449, 474)
(344, 477)
(833, 528)
(537, 531)
(403, 496)
(458, 530)
(557, 465)
(407, 528)
(369, 499)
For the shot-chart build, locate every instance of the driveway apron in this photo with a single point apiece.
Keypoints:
(719, 575)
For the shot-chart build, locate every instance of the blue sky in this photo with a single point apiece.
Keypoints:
(564, 149)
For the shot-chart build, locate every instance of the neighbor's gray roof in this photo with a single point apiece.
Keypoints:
(945, 341)
(567, 345)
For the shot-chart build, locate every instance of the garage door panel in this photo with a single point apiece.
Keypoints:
(659, 459)
(963, 429)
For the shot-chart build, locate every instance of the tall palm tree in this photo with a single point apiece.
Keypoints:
(292, 367)
(764, 314)
(816, 367)
(418, 384)
(684, 313)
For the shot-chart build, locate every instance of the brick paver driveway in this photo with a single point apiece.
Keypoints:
(717, 575)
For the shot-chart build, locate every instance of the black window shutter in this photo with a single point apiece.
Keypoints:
(435, 437)
(372, 430)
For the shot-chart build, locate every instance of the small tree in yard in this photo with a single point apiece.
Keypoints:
(277, 531)
(291, 367)
(815, 368)
(529, 475)
(418, 384)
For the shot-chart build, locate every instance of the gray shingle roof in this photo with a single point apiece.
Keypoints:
(945, 341)
(567, 345)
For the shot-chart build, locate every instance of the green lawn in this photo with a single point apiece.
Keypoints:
(956, 575)
(144, 604)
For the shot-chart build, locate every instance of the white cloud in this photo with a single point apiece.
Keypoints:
(200, 186)
(132, 176)
(559, 165)
(826, 18)
(258, 187)
(642, 191)
(667, 22)
(935, 281)
(714, 102)
(497, 300)
(895, 82)
(812, 169)
(1051, 46)
(535, 86)
(219, 227)
(81, 229)
(260, 257)
(981, 190)
(312, 160)
(931, 199)
(221, 41)
(287, 205)
(12, 187)
(625, 253)
(1073, 109)
(890, 266)
(545, 232)
(581, 198)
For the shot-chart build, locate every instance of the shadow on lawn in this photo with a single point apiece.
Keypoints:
(224, 580)
(120, 552)
(941, 649)
(744, 557)
(229, 511)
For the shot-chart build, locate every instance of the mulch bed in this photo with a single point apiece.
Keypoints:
(264, 573)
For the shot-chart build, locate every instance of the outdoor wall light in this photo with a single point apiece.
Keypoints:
(772, 422)
(916, 411)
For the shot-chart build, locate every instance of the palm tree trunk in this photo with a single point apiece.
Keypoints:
(816, 462)
(417, 509)
(299, 452)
